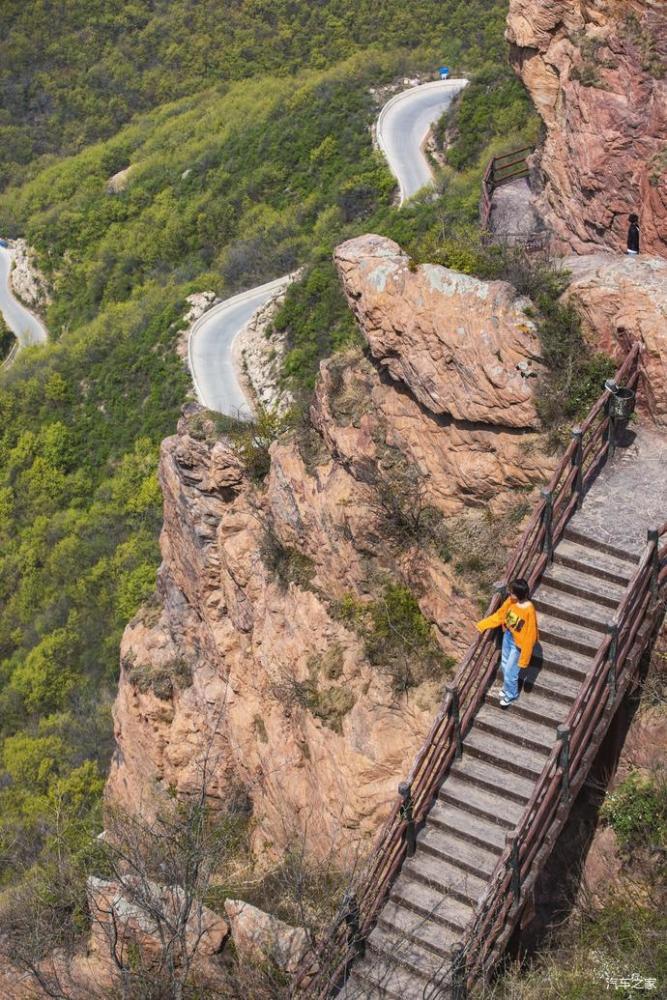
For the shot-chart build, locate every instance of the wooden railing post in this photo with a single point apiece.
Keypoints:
(563, 733)
(613, 662)
(547, 516)
(653, 539)
(578, 462)
(405, 792)
(455, 714)
(355, 942)
(512, 841)
(459, 985)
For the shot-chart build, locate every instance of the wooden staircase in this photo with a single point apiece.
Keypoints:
(431, 911)
(485, 793)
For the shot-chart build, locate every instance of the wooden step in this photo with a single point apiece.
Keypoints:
(431, 935)
(474, 829)
(445, 877)
(593, 562)
(572, 581)
(542, 707)
(493, 806)
(573, 534)
(457, 850)
(578, 610)
(492, 778)
(432, 902)
(525, 733)
(358, 987)
(565, 662)
(395, 949)
(504, 753)
(553, 683)
(569, 636)
(373, 978)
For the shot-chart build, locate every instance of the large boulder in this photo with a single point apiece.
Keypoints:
(462, 346)
(138, 912)
(259, 937)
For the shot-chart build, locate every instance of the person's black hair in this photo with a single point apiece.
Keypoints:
(520, 588)
(634, 218)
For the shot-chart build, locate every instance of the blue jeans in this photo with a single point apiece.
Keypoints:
(510, 667)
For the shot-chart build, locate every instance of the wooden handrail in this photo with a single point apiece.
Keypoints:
(471, 682)
(592, 704)
(493, 177)
(514, 152)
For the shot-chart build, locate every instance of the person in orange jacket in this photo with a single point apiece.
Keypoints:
(518, 618)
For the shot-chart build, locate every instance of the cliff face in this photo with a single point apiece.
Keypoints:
(248, 653)
(622, 300)
(597, 73)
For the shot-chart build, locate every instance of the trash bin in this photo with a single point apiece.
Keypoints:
(622, 404)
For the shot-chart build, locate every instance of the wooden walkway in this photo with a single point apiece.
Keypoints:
(491, 788)
(483, 797)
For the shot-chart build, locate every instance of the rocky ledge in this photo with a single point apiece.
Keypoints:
(250, 650)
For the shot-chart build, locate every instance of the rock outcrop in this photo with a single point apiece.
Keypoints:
(27, 281)
(622, 300)
(259, 350)
(139, 914)
(119, 181)
(260, 937)
(251, 652)
(455, 341)
(597, 73)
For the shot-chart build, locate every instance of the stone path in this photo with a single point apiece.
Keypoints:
(513, 213)
(629, 497)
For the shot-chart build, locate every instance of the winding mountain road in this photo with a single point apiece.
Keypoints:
(210, 353)
(403, 126)
(401, 130)
(26, 327)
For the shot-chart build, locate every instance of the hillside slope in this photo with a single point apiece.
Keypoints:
(74, 72)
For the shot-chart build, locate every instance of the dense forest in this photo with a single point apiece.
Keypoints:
(75, 71)
(228, 181)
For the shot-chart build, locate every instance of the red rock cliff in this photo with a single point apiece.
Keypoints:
(597, 73)
(245, 651)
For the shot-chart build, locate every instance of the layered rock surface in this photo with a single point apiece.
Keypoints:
(245, 655)
(259, 937)
(597, 73)
(455, 341)
(621, 301)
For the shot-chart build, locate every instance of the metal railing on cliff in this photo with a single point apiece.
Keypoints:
(568, 764)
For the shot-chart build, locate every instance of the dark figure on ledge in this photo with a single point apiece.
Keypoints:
(633, 235)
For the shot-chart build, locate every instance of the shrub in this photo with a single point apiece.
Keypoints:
(162, 679)
(287, 565)
(637, 811)
(252, 439)
(398, 498)
(329, 703)
(7, 339)
(397, 638)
